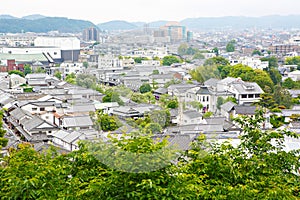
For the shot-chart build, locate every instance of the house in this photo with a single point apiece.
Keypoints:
(38, 80)
(106, 108)
(45, 109)
(67, 139)
(190, 117)
(16, 80)
(227, 109)
(160, 91)
(76, 122)
(37, 129)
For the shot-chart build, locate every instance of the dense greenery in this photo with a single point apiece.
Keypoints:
(230, 47)
(293, 61)
(169, 60)
(18, 72)
(146, 87)
(3, 141)
(255, 169)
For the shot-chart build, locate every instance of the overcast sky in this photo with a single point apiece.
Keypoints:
(147, 10)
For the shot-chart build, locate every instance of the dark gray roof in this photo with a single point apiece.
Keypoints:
(247, 87)
(203, 90)
(245, 110)
(35, 122)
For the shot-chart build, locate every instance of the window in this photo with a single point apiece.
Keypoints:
(207, 98)
(34, 109)
(257, 95)
(203, 98)
(250, 96)
(244, 96)
(42, 109)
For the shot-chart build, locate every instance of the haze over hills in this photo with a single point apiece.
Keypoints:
(40, 23)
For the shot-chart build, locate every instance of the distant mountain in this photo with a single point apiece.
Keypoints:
(157, 24)
(117, 25)
(43, 25)
(34, 17)
(7, 17)
(272, 21)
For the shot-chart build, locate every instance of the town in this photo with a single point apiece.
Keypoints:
(60, 90)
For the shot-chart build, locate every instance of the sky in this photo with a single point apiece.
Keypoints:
(99, 11)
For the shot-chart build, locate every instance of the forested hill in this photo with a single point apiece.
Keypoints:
(42, 25)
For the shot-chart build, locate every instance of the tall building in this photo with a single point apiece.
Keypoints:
(90, 34)
(174, 30)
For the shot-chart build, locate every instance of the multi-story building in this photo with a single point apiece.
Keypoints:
(90, 34)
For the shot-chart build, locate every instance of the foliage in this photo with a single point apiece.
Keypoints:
(112, 96)
(86, 80)
(196, 104)
(203, 73)
(282, 96)
(107, 123)
(293, 61)
(273, 61)
(184, 49)
(40, 70)
(256, 52)
(71, 78)
(172, 82)
(153, 128)
(58, 75)
(199, 56)
(216, 51)
(172, 104)
(139, 59)
(3, 141)
(85, 64)
(220, 101)
(290, 84)
(145, 88)
(232, 99)
(27, 70)
(155, 72)
(207, 114)
(256, 168)
(230, 47)
(169, 60)
(218, 61)
(16, 72)
(275, 76)
(277, 121)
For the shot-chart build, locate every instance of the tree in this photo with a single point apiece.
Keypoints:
(3, 141)
(220, 101)
(172, 104)
(57, 74)
(40, 70)
(27, 69)
(293, 61)
(288, 83)
(230, 47)
(256, 52)
(106, 122)
(85, 64)
(273, 61)
(218, 61)
(86, 80)
(112, 96)
(169, 60)
(71, 78)
(16, 72)
(203, 73)
(153, 128)
(216, 51)
(145, 88)
(155, 72)
(282, 96)
(196, 104)
(275, 76)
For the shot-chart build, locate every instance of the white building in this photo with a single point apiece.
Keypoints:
(70, 67)
(253, 62)
(151, 63)
(109, 62)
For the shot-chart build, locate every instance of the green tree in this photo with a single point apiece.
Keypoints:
(203, 73)
(256, 52)
(216, 51)
(289, 83)
(155, 72)
(40, 70)
(172, 104)
(86, 80)
(282, 96)
(107, 123)
(71, 78)
(230, 47)
(58, 75)
(112, 96)
(169, 60)
(145, 88)
(3, 141)
(153, 128)
(220, 101)
(293, 61)
(273, 61)
(85, 64)
(275, 76)
(16, 72)
(27, 70)
(218, 61)
(196, 104)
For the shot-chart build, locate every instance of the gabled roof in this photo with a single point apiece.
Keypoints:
(212, 82)
(19, 113)
(203, 91)
(77, 121)
(228, 106)
(161, 91)
(247, 88)
(35, 122)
